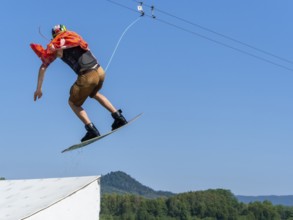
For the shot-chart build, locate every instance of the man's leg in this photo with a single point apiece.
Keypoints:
(105, 102)
(119, 119)
(92, 131)
(80, 112)
(78, 95)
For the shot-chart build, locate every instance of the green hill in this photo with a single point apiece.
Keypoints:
(209, 204)
(121, 183)
(275, 200)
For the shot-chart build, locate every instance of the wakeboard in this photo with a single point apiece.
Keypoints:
(90, 141)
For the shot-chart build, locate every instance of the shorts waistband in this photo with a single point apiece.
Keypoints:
(95, 67)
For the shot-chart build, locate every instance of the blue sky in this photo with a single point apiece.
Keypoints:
(213, 117)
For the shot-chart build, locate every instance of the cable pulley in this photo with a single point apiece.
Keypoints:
(140, 9)
(153, 11)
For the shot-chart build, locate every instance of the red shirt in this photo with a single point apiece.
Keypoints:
(64, 40)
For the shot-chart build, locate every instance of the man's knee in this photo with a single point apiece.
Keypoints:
(72, 104)
(75, 104)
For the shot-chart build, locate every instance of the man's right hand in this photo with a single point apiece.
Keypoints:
(38, 94)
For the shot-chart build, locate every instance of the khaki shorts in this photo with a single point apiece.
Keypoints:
(86, 85)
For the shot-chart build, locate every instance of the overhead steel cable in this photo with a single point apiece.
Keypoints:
(123, 6)
(225, 45)
(208, 38)
(221, 35)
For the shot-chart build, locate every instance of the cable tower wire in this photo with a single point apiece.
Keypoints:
(215, 41)
(219, 34)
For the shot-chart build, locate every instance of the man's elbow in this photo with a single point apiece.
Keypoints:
(43, 67)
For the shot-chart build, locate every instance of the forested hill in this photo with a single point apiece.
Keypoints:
(209, 204)
(125, 198)
(121, 183)
(275, 200)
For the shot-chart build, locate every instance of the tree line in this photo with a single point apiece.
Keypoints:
(215, 204)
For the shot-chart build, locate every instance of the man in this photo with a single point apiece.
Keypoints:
(74, 51)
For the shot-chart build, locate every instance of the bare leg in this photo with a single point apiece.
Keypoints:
(80, 112)
(105, 102)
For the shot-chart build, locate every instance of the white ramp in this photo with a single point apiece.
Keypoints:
(73, 198)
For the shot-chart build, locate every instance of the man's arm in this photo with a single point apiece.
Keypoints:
(38, 93)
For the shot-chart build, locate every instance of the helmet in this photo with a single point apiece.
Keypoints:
(57, 29)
